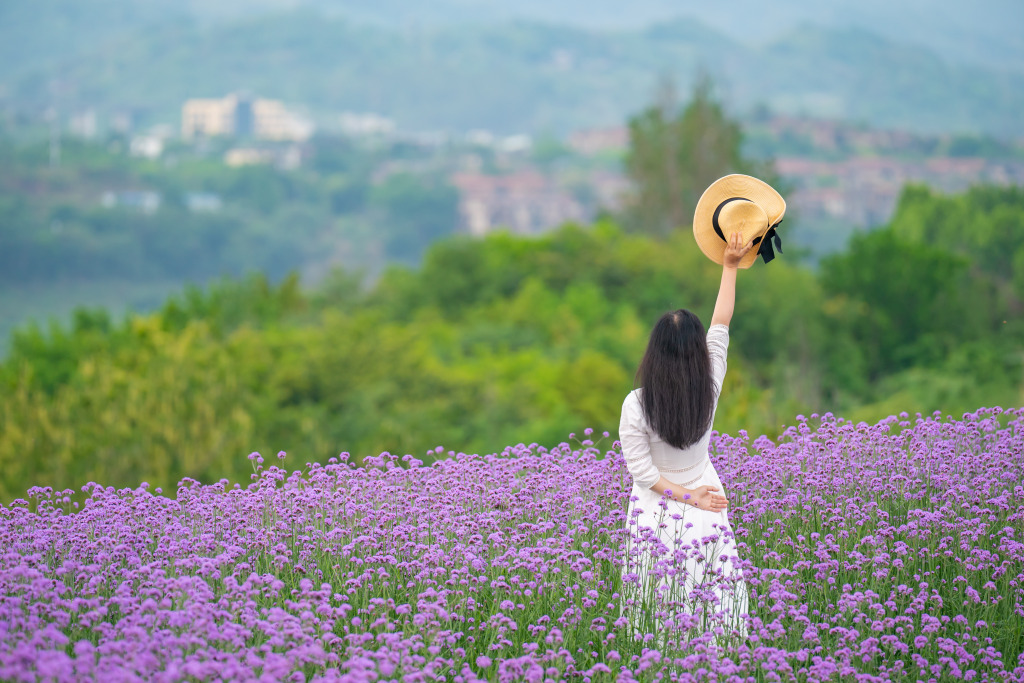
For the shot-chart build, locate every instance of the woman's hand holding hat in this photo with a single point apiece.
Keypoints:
(735, 250)
(738, 203)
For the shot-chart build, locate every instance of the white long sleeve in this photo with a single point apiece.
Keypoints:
(636, 445)
(718, 349)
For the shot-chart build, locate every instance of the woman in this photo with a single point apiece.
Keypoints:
(683, 555)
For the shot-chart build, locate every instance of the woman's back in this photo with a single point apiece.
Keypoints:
(647, 453)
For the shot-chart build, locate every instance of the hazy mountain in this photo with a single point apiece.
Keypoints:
(505, 75)
(984, 32)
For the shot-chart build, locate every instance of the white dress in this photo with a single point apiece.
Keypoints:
(670, 559)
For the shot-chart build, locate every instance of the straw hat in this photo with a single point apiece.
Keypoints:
(739, 203)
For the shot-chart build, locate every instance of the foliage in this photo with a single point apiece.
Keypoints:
(910, 309)
(673, 156)
(940, 279)
(986, 223)
(417, 210)
(505, 339)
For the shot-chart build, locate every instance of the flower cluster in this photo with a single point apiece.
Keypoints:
(871, 552)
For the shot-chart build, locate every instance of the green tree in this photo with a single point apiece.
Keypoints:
(416, 210)
(904, 303)
(674, 156)
(505, 339)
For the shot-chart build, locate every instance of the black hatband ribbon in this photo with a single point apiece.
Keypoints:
(766, 251)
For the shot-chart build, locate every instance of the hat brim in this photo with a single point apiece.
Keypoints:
(730, 187)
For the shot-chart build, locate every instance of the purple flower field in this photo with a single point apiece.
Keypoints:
(871, 553)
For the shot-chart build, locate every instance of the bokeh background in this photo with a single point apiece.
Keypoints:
(326, 227)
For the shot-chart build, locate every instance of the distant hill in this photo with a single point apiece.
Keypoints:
(509, 77)
(983, 32)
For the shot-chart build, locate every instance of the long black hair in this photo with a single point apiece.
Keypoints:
(678, 394)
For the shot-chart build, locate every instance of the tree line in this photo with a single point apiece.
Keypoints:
(56, 225)
(505, 339)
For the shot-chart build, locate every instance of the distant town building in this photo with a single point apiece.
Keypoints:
(426, 139)
(272, 121)
(285, 158)
(146, 146)
(599, 140)
(146, 201)
(209, 118)
(863, 191)
(610, 189)
(122, 121)
(363, 125)
(289, 158)
(203, 202)
(526, 202)
(83, 124)
(514, 144)
(480, 137)
(830, 136)
(248, 156)
(151, 144)
(242, 117)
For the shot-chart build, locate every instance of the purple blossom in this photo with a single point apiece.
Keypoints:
(869, 552)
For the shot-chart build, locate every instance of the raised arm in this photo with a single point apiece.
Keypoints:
(726, 301)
